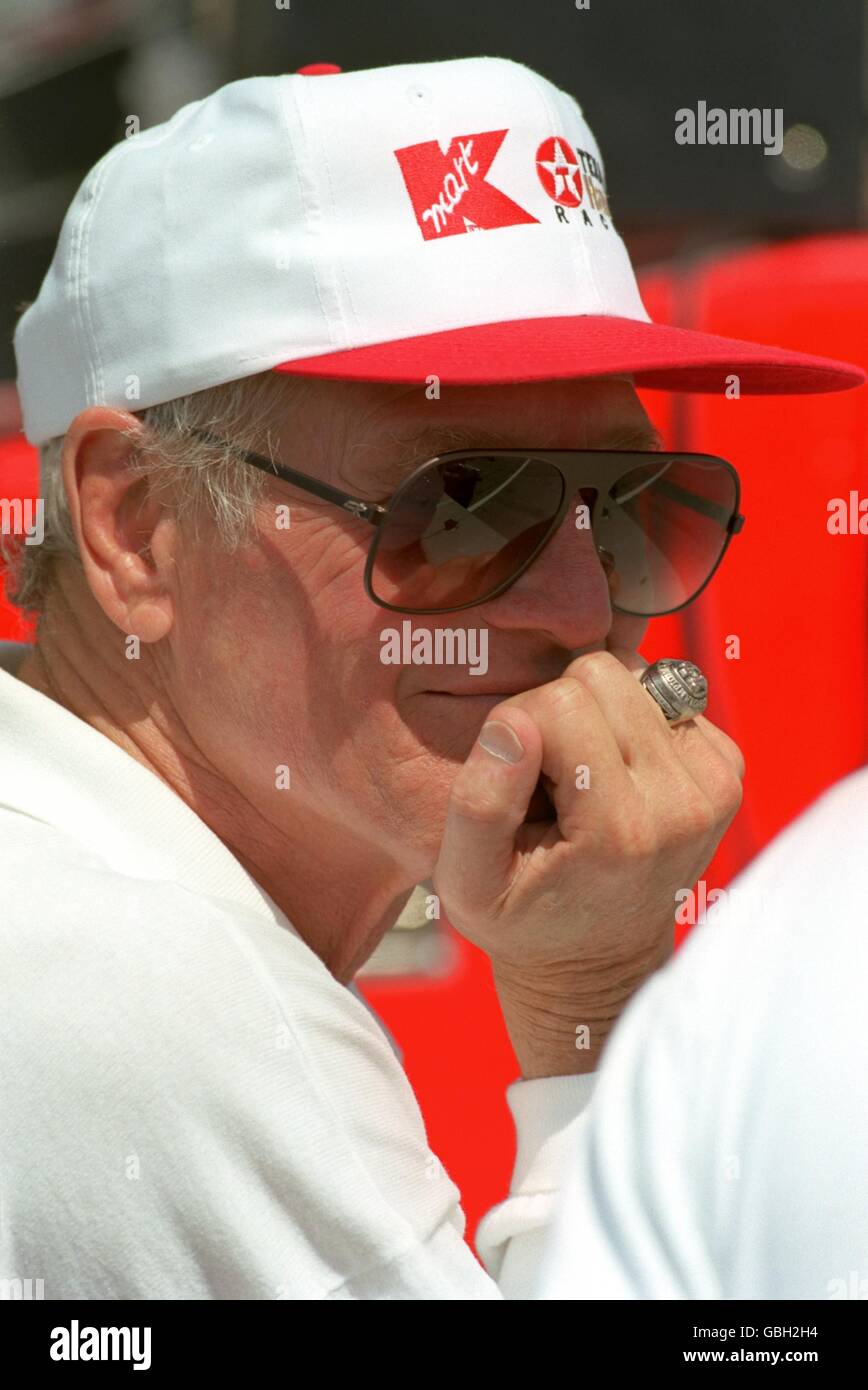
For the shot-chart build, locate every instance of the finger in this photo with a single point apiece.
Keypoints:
(626, 632)
(695, 747)
(488, 802)
(628, 653)
(637, 722)
(715, 772)
(576, 734)
(726, 746)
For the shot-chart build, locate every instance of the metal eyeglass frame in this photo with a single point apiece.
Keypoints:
(570, 463)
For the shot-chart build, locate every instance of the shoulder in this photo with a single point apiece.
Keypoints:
(185, 1074)
(148, 961)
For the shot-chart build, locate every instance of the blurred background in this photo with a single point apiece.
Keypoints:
(724, 238)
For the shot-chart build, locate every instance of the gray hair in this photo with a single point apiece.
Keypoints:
(196, 479)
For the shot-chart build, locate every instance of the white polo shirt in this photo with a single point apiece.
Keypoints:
(192, 1106)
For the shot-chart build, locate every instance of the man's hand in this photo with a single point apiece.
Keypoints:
(576, 911)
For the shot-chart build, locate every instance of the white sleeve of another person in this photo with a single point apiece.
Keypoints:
(725, 1152)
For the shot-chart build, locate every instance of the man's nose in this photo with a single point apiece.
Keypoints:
(564, 591)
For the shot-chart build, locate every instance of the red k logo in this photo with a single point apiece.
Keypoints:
(449, 192)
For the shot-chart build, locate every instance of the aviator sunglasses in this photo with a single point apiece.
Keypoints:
(464, 526)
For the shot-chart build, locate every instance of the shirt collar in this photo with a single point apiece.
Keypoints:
(58, 769)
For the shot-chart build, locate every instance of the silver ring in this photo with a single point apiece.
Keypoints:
(679, 687)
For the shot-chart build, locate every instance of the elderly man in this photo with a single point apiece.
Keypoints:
(324, 358)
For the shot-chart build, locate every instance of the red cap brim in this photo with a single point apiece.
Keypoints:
(548, 349)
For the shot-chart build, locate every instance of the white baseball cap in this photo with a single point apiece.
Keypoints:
(447, 219)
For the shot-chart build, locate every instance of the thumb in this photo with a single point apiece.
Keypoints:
(488, 802)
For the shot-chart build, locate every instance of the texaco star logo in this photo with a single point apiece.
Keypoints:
(558, 170)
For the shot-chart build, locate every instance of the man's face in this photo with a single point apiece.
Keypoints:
(276, 649)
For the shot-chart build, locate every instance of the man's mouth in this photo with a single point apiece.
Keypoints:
(540, 807)
(480, 689)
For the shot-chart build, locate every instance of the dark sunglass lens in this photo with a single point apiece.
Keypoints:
(663, 527)
(461, 528)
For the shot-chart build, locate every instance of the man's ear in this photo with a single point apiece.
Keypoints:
(126, 539)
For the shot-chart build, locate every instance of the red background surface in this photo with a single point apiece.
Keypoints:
(793, 594)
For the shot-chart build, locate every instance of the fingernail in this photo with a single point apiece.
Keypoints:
(502, 741)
